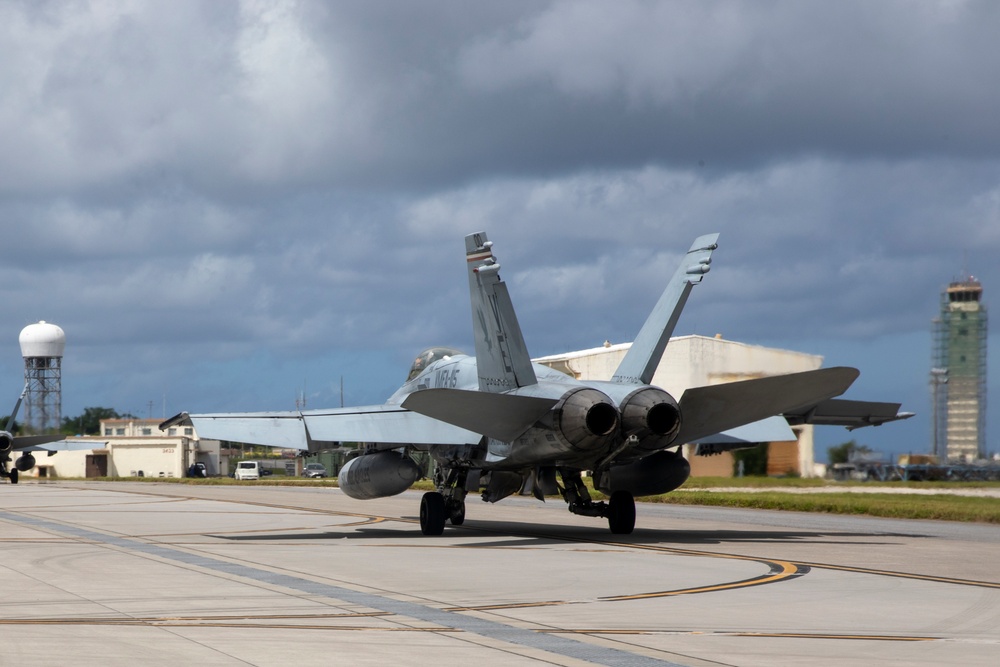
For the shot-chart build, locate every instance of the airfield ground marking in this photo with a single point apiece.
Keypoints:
(622, 545)
(445, 622)
(765, 635)
(256, 622)
(786, 571)
(779, 570)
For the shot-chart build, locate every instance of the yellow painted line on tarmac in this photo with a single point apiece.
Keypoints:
(256, 622)
(905, 575)
(510, 605)
(155, 620)
(372, 520)
(815, 635)
(770, 635)
(780, 571)
(236, 625)
(806, 565)
(786, 571)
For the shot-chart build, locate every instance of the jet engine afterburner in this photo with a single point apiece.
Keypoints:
(652, 416)
(585, 419)
(6, 442)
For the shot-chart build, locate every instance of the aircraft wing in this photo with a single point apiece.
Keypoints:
(53, 443)
(716, 408)
(312, 429)
(23, 443)
(852, 414)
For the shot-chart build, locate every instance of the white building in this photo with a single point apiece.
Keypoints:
(135, 448)
(695, 361)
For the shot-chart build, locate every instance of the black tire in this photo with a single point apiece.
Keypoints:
(457, 514)
(621, 513)
(432, 513)
(13, 475)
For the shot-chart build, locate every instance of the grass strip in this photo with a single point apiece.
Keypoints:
(897, 506)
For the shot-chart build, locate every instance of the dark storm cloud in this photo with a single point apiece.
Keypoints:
(739, 82)
(227, 97)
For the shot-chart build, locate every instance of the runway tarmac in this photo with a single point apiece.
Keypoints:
(163, 574)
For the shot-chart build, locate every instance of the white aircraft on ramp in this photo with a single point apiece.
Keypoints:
(500, 424)
(30, 444)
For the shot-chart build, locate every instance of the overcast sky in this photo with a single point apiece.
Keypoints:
(227, 204)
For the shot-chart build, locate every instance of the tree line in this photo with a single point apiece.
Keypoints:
(87, 423)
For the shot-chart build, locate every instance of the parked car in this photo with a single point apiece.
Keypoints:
(314, 470)
(247, 470)
(198, 470)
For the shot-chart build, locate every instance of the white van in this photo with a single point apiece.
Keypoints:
(247, 470)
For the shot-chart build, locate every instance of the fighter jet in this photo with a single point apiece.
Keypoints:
(498, 424)
(30, 443)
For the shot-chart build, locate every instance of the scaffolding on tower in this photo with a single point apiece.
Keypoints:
(958, 373)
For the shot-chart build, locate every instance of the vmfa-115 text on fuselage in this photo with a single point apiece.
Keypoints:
(498, 424)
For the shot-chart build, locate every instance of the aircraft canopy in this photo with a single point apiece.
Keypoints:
(428, 357)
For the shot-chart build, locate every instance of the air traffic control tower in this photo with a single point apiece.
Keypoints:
(42, 346)
(958, 375)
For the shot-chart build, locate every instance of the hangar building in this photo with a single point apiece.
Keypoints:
(695, 361)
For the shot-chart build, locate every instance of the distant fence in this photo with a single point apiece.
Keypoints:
(916, 472)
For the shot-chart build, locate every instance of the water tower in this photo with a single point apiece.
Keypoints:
(42, 346)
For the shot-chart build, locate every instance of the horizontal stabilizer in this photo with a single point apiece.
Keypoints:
(500, 416)
(852, 414)
(720, 407)
(772, 429)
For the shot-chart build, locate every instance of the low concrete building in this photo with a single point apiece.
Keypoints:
(696, 361)
(136, 448)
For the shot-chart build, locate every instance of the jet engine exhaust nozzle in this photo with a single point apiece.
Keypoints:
(586, 418)
(6, 442)
(663, 419)
(652, 416)
(602, 419)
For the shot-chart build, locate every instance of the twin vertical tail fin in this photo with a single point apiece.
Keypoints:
(644, 356)
(501, 356)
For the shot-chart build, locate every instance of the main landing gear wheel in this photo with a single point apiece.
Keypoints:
(432, 513)
(457, 513)
(13, 475)
(621, 513)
